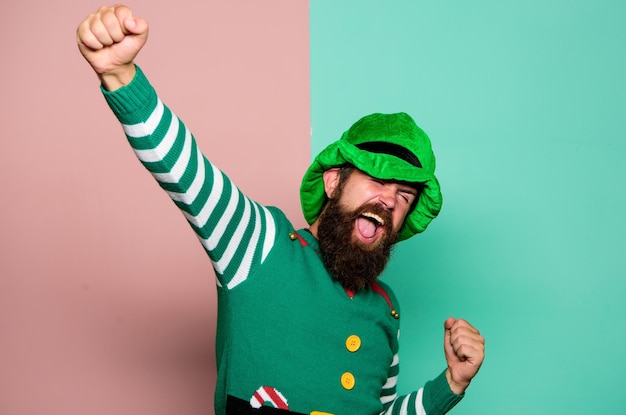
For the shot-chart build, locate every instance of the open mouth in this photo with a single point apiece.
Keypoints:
(369, 226)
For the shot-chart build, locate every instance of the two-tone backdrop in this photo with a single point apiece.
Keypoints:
(107, 301)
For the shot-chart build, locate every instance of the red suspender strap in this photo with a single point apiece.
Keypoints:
(295, 235)
(379, 290)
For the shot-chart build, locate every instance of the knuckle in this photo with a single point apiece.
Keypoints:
(103, 10)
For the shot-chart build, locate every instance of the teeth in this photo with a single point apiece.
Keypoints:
(374, 217)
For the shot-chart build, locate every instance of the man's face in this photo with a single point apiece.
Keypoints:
(360, 225)
(394, 197)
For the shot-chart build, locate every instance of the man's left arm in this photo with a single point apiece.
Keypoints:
(464, 349)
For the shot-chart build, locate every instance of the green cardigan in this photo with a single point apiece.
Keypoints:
(288, 336)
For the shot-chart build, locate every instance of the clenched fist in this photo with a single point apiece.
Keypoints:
(109, 39)
(464, 348)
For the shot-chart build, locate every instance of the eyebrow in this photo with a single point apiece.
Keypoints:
(407, 187)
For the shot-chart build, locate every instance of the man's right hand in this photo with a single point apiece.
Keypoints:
(109, 39)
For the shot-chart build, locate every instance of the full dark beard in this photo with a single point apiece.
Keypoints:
(354, 265)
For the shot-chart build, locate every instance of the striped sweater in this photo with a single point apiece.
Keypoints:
(288, 335)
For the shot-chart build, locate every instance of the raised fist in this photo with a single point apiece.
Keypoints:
(109, 39)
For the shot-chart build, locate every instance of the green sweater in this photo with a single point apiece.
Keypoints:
(288, 336)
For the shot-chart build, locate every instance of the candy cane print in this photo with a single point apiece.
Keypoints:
(271, 395)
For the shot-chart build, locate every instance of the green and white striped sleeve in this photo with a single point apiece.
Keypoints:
(435, 398)
(235, 231)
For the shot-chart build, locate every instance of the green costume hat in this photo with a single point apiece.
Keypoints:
(385, 146)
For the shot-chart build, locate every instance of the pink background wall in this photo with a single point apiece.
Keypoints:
(107, 301)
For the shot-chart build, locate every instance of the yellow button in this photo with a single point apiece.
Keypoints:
(320, 413)
(353, 343)
(347, 380)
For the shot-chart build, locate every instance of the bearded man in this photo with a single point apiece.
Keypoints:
(304, 326)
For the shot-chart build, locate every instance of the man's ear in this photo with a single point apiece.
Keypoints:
(331, 181)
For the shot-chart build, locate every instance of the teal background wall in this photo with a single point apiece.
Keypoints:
(525, 103)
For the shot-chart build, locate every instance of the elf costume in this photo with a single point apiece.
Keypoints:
(290, 339)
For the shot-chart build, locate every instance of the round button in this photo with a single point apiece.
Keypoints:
(347, 380)
(353, 343)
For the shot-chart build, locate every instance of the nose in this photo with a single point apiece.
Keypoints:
(387, 197)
